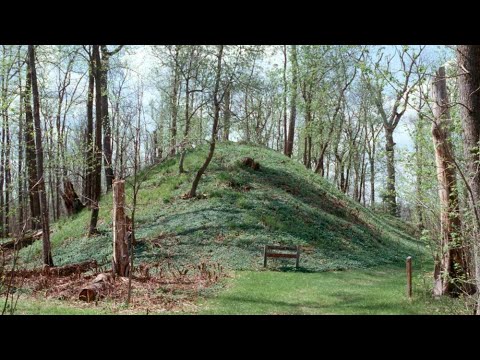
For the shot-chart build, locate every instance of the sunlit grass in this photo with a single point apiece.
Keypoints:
(378, 291)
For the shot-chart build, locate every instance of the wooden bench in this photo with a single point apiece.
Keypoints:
(268, 253)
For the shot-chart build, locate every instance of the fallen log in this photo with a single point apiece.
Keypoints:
(26, 240)
(96, 290)
(71, 268)
(59, 271)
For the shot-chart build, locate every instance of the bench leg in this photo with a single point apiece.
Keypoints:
(297, 263)
(265, 256)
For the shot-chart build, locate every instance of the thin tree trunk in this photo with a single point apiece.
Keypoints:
(174, 105)
(47, 253)
(285, 94)
(20, 156)
(391, 194)
(90, 154)
(419, 172)
(216, 103)
(2, 170)
(187, 126)
(226, 115)
(30, 157)
(97, 183)
(107, 138)
(293, 103)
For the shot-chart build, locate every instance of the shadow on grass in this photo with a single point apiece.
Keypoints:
(352, 303)
(292, 269)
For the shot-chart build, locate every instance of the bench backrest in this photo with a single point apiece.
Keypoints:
(268, 253)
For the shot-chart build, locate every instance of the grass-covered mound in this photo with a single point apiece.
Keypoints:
(242, 210)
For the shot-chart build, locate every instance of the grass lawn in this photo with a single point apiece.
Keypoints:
(374, 291)
(35, 306)
(368, 291)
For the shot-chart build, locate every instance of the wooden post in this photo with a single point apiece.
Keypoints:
(265, 256)
(297, 263)
(120, 235)
(409, 277)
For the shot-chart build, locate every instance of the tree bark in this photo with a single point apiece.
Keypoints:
(391, 194)
(468, 57)
(20, 157)
(293, 103)
(47, 253)
(90, 154)
(121, 264)
(452, 264)
(181, 170)
(226, 115)
(285, 95)
(174, 104)
(31, 160)
(107, 138)
(97, 183)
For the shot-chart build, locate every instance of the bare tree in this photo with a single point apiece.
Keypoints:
(403, 89)
(216, 104)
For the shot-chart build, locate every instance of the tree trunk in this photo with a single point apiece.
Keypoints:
(181, 170)
(391, 195)
(31, 160)
(285, 95)
(319, 169)
(47, 253)
(293, 103)
(174, 105)
(226, 115)
(107, 138)
(2, 178)
(6, 164)
(419, 173)
(90, 154)
(453, 267)
(97, 183)
(121, 264)
(468, 57)
(20, 158)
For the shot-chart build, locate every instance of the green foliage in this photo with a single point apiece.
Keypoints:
(243, 210)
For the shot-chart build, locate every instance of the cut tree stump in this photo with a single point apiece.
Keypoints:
(96, 290)
(121, 233)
